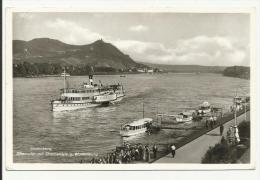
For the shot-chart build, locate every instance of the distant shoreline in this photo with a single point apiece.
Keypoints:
(120, 74)
(123, 74)
(99, 73)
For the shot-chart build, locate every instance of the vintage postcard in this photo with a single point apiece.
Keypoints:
(130, 89)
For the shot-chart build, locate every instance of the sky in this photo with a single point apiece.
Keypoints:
(214, 39)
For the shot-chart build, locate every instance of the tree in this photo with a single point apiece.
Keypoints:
(237, 71)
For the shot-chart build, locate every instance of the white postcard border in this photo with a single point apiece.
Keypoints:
(8, 93)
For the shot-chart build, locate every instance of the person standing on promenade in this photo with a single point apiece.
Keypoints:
(236, 135)
(215, 120)
(147, 151)
(155, 149)
(173, 148)
(207, 122)
(231, 109)
(221, 129)
(230, 136)
(211, 122)
(136, 154)
(144, 153)
(140, 150)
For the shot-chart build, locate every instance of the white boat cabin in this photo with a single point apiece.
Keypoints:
(184, 117)
(204, 108)
(65, 74)
(136, 127)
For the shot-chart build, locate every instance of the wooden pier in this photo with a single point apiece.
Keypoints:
(180, 128)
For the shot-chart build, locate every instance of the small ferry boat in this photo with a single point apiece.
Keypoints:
(182, 117)
(204, 108)
(87, 95)
(136, 127)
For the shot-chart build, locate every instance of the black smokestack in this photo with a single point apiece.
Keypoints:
(90, 79)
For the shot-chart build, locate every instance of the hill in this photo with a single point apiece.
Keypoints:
(96, 54)
(188, 68)
(237, 71)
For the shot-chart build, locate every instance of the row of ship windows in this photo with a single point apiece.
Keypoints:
(135, 127)
(77, 98)
(73, 104)
(82, 91)
(77, 91)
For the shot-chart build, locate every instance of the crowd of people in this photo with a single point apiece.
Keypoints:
(211, 122)
(128, 153)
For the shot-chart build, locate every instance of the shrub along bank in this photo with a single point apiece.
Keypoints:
(226, 152)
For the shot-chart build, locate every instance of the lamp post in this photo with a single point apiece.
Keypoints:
(245, 110)
(235, 104)
(64, 80)
(143, 108)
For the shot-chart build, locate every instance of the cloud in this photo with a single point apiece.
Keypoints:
(201, 50)
(138, 28)
(139, 47)
(237, 57)
(27, 16)
(211, 44)
(70, 32)
(214, 50)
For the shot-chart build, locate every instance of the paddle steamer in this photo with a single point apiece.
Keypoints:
(87, 95)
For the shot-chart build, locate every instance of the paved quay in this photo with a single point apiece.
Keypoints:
(195, 150)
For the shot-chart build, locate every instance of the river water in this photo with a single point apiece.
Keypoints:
(93, 131)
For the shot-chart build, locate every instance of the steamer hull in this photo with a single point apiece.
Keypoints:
(58, 106)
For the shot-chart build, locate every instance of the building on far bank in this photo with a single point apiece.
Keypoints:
(141, 70)
(150, 71)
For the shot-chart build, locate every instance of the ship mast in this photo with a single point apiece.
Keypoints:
(143, 109)
(64, 79)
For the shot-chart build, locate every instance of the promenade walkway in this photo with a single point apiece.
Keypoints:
(195, 150)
